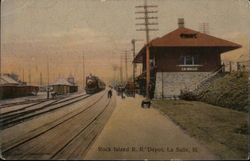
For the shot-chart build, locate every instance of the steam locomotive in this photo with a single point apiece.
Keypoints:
(94, 84)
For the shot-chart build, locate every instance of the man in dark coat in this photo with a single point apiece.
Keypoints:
(110, 93)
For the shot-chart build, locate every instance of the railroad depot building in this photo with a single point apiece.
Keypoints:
(181, 59)
(63, 86)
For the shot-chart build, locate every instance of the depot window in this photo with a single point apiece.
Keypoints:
(189, 60)
(188, 36)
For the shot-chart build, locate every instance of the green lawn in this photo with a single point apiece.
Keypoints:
(223, 131)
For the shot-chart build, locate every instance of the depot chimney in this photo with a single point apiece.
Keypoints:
(181, 22)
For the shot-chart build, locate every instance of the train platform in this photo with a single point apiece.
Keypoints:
(133, 132)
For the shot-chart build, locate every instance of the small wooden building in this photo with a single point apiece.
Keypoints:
(63, 86)
(181, 59)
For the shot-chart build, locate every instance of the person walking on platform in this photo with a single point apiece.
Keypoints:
(110, 93)
(122, 92)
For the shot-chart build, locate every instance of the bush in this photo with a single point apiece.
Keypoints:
(188, 95)
(230, 91)
(243, 129)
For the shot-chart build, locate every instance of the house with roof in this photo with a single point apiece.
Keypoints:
(6, 80)
(180, 60)
(64, 86)
(11, 88)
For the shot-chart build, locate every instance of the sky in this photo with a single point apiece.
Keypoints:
(36, 34)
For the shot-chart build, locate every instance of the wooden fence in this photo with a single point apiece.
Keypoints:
(231, 66)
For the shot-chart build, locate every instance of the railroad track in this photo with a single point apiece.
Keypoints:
(16, 108)
(90, 131)
(17, 116)
(73, 143)
(6, 105)
(47, 102)
(22, 103)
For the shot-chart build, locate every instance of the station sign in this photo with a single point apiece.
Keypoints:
(189, 69)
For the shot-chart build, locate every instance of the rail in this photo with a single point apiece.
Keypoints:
(9, 120)
(16, 143)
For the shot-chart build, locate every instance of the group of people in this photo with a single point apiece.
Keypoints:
(120, 92)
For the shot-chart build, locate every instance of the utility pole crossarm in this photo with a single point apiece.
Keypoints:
(146, 24)
(147, 29)
(143, 18)
(147, 12)
(146, 6)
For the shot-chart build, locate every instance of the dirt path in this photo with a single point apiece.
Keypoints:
(136, 133)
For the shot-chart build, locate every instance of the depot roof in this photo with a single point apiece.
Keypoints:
(62, 81)
(6, 80)
(184, 37)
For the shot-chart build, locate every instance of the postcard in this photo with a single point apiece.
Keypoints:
(124, 79)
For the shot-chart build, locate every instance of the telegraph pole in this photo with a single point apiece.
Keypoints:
(83, 71)
(0, 54)
(204, 28)
(41, 79)
(48, 89)
(114, 66)
(134, 64)
(121, 70)
(146, 24)
(0, 65)
(126, 65)
(23, 75)
(0, 62)
(29, 76)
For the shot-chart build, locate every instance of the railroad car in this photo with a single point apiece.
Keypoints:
(94, 84)
(17, 91)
